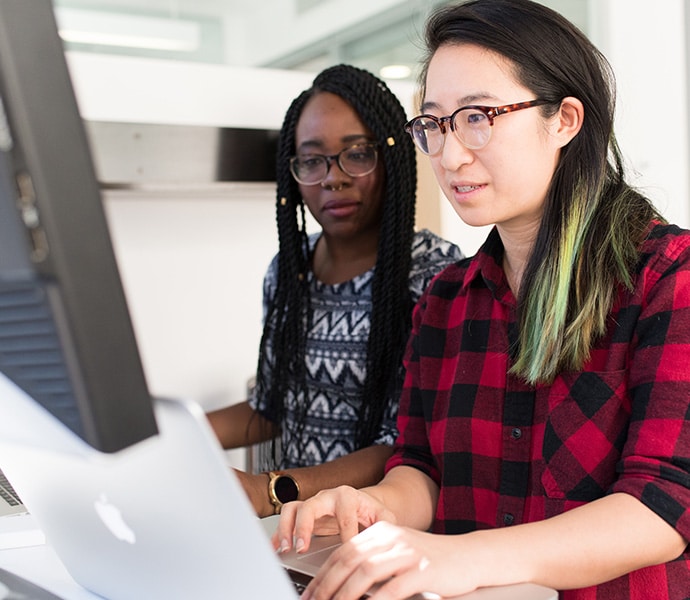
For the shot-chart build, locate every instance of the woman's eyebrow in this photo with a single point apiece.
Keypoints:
(427, 106)
(464, 101)
(310, 145)
(346, 140)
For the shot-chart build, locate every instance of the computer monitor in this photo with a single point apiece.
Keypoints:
(66, 338)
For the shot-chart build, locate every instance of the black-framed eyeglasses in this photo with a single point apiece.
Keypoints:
(357, 160)
(471, 124)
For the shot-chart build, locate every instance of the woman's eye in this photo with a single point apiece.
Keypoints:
(475, 118)
(310, 162)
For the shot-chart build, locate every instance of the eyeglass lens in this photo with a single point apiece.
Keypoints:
(472, 126)
(356, 161)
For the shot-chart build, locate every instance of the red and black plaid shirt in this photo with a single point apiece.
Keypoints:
(504, 452)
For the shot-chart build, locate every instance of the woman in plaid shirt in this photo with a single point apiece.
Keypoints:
(545, 417)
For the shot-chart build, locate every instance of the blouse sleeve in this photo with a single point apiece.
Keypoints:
(655, 465)
(430, 255)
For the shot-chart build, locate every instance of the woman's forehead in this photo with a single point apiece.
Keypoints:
(327, 116)
(469, 74)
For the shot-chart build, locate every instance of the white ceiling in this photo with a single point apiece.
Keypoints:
(295, 34)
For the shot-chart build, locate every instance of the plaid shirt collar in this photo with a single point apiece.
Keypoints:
(487, 265)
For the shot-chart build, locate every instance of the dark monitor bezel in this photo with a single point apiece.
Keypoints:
(55, 244)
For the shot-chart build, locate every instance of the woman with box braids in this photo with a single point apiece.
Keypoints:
(381, 112)
(338, 302)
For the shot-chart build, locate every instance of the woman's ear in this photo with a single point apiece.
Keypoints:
(568, 120)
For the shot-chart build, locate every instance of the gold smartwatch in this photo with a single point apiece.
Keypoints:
(282, 488)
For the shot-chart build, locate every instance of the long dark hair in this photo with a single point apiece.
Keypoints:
(287, 320)
(593, 222)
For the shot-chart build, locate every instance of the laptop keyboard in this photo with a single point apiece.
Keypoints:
(7, 491)
(299, 580)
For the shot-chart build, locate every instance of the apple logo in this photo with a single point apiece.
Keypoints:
(113, 520)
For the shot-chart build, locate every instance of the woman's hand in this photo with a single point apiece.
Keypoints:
(399, 561)
(343, 510)
(346, 511)
(376, 550)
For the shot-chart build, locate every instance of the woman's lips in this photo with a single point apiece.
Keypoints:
(340, 208)
(462, 191)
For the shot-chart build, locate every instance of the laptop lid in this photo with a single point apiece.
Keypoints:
(163, 518)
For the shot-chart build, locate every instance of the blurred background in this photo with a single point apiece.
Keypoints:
(307, 35)
(183, 99)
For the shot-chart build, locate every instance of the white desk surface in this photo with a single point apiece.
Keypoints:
(23, 551)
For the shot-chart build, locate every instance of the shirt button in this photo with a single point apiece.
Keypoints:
(508, 519)
(516, 433)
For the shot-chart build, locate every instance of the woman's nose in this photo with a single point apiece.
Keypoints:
(454, 153)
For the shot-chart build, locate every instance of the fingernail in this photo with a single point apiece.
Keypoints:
(284, 546)
(299, 546)
(305, 595)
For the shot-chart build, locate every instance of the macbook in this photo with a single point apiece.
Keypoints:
(163, 518)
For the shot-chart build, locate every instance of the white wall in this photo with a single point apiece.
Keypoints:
(192, 266)
(646, 45)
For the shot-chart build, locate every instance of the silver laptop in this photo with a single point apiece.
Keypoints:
(161, 519)
(164, 518)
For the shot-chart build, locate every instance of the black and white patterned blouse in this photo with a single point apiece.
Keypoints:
(336, 356)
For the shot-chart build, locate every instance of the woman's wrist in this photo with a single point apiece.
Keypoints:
(256, 488)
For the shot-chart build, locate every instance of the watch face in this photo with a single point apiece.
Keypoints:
(286, 489)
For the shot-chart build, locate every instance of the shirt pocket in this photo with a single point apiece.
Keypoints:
(586, 428)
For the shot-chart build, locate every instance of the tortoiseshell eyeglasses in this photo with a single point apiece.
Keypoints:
(471, 124)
